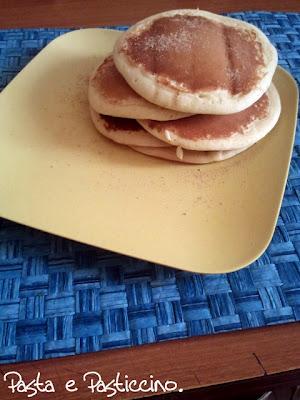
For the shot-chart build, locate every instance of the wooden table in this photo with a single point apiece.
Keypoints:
(241, 365)
(233, 365)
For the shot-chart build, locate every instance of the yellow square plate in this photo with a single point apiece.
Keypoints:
(59, 175)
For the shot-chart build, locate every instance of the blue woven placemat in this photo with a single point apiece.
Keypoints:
(59, 298)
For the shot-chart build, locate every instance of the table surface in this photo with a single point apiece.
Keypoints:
(260, 358)
(267, 354)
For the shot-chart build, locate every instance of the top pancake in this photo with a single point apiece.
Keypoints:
(197, 62)
(110, 94)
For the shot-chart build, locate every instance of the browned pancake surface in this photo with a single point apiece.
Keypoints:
(111, 83)
(120, 124)
(201, 54)
(214, 126)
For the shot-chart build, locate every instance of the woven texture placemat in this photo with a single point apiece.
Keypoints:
(59, 298)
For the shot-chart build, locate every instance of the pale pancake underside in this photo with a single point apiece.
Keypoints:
(256, 130)
(187, 156)
(134, 106)
(220, 101)
(127, 137)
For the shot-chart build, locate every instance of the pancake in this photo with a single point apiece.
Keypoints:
(110, 94)
(124, 131)
(187, 156)
(196, 62)
(220, 132)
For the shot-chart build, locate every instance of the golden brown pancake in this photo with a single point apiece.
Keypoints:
(110, 94)
(220, 132)
(195, 61)
(124, 131)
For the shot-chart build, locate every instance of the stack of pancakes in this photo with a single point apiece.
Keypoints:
(187, 85)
